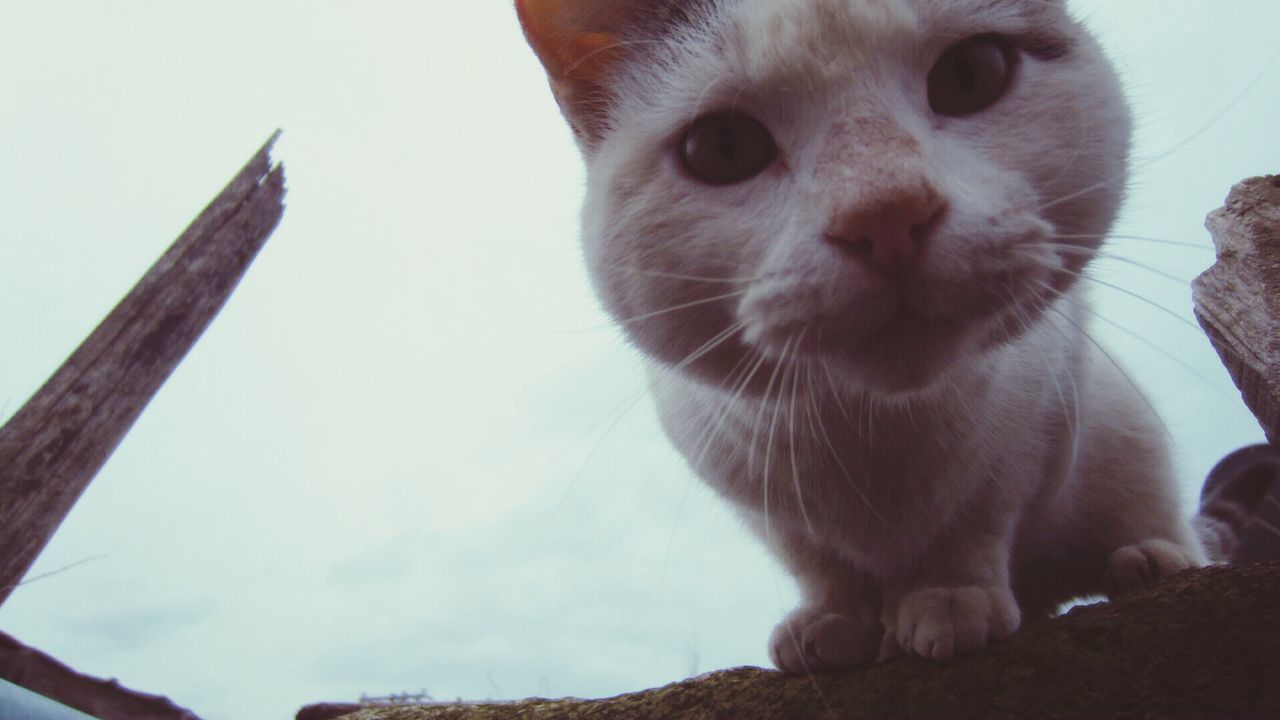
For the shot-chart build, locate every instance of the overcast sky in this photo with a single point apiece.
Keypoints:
(411, 453)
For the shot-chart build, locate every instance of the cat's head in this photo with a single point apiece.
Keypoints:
(884, 189)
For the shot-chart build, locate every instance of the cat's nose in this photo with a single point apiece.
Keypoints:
(889, 230)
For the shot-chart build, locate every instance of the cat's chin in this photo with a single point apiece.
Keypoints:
(905, 359)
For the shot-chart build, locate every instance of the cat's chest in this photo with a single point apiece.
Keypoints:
(847, 473)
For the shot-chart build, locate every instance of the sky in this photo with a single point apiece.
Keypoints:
(412, 454)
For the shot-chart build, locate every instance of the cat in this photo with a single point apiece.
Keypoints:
(847, 235)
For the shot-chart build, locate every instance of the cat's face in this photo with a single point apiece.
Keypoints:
(883, 189)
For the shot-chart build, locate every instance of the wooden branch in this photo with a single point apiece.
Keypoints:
(57, 442)
(1199, 644)
(100, 699)
(1238, 299)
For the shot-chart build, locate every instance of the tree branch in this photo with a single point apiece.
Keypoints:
(1199, 644)
(52, 448)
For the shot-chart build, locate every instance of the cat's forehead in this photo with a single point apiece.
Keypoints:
(810, 38)
(785, 21)
(767, 38)
(876, 17)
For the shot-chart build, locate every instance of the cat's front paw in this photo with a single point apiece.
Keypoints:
(940, 623)
(1135, 565)
(813, 640)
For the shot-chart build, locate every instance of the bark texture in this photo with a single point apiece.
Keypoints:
(102, 699)
(1238, 299)
(57, 442)
(1200, 644)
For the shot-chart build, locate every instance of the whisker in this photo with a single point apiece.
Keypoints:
(682, 306)
(784, 366)
(791, 440)
(768, 449)
(707, 347)
(1070, 411)
(739, 377)
(1120, 289)
(1086, 129)
(690, 278)
(1172, 357)
(1100, 185)
(816, 415)
(870, 401)
(1266, 525)
(799, 496)
(836, 395)
(1142, 163)
(750, 444)
(617, 44)
(1138, 238)
(586, 462)
(1171, 313)
(1063, 247)
(1140, 338)
(1249, 88)
(1119, 368)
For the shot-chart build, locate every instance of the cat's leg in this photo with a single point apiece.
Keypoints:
(959, 602)
(837, 624)
(1136, 565)
(813, 638)
(1124, 500)
(1151, 536)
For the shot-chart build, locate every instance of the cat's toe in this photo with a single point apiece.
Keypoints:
(811, 641)
(940, 623)
(1136, 565)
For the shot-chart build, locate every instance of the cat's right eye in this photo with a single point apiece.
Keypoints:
(728, 147)
(971, 75)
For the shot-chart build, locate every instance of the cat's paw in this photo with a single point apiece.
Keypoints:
(1135, 565)
(813, 640)
(940, 623)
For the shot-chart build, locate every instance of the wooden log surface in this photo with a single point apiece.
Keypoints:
(1237, 301)
(99, 699)
(1198, 645)
(54, 445)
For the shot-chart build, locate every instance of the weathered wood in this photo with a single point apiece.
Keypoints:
(52, 448)
(1200, 644)
(1238, 299)
(100, 699)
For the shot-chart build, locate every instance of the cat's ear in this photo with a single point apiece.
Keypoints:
(577, 43)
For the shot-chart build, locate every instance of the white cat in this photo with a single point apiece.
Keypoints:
(848, 234)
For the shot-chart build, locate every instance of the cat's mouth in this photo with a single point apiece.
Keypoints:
(907, 354)
(883, 337)
(891, 347)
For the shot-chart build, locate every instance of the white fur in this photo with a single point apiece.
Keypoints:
(934, 456)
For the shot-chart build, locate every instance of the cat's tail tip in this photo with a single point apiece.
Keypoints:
(1239, 517)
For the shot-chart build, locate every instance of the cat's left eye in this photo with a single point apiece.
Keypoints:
(972, 75)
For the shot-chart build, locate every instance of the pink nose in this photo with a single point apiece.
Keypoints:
(889, 230)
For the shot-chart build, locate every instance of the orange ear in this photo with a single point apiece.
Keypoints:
(563, 37)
